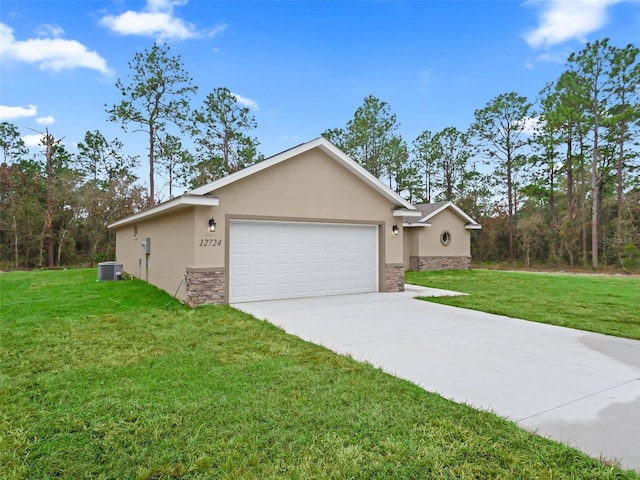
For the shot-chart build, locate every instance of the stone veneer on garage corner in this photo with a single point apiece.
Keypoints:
(205, 287)
(394, 277)
(440, 263)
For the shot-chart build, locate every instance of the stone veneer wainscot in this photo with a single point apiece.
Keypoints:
(440, 263)
(394, 277)
(205, 286)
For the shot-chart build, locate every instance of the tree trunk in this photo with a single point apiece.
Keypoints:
(48, 221)
(570, 213)
(583, 203)
(63, 234)
(595, 201)
(14, 227)
(512, 251)
(620, 195)
(152, 193)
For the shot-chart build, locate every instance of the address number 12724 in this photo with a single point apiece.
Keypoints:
(210, 242)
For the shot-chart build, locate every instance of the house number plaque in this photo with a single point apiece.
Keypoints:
(210, 242)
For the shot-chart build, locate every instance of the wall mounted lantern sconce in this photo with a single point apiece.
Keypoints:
(212, 225)
(395, 229)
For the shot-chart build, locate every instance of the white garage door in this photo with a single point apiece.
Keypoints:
(271, 260)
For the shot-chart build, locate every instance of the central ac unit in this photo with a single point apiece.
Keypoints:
(109, 271)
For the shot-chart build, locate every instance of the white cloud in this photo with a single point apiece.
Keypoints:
(49, 53)
(10, 113)
(557, 57)
(563, 20)
(49, 30)
(532, 125)
(247, 102)
(48, 120)
(216, 30)
(34, 140)
(156, 20)
(153, 24)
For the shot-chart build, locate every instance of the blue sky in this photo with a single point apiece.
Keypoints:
(301, 66)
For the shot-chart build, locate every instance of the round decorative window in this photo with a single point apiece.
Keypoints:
(445, 238)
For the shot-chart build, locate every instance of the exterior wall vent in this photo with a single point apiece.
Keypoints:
(109, 271)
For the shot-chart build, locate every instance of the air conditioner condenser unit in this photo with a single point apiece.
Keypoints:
(109, 271)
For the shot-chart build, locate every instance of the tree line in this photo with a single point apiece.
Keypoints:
(553, 180)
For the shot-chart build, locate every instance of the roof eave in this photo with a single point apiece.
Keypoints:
(186, 200)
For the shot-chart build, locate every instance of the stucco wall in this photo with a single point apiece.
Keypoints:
(429, 243)
(171, 249)
(309, 187)
(411, 239)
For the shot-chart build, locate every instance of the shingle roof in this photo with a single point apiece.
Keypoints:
(430, 209)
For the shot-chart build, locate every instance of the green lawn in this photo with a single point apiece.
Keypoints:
(104, 380)
(597, 303)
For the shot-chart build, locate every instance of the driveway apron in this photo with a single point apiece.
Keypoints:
(580, 388)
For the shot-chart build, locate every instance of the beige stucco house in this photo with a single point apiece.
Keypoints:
(439, 239)
(308, 221)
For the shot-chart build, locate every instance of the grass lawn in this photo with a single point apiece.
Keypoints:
(597, 303)
(104, 380)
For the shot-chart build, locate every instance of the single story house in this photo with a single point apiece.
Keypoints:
(439, 239)
(309, 221)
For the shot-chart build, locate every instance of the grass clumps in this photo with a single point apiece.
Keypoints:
(104, 382)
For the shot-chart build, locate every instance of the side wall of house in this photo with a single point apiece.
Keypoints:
(171, 250)
(429, 252)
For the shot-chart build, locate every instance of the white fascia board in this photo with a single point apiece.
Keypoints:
(455, 208)
(473, 226)
(403, 212)
(413, 225)
(185, 200)
(327, 147)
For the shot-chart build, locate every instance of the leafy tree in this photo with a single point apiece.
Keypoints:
(368, 136)
(103, 161)
(592, 68)
(455, 153)
(564, 122)
(176, 161)
(500, 130)
(103, 165)
(158, 92)
(56, 158)
(624, 115)
(426, 153)
(220, 129)
(13, 147)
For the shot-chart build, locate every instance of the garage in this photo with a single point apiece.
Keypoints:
(274, 260)
(309, 221)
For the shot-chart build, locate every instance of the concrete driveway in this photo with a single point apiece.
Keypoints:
(577, 387)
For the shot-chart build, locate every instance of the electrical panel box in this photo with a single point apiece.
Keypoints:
(146, 246)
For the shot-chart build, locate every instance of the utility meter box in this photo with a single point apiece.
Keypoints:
(146, 246)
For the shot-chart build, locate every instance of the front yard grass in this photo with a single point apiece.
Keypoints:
(104, 380)
(597, 303)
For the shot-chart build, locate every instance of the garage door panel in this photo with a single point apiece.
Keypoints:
(269, 260)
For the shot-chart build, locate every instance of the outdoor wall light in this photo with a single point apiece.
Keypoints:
(395, 229)
(212, 225)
